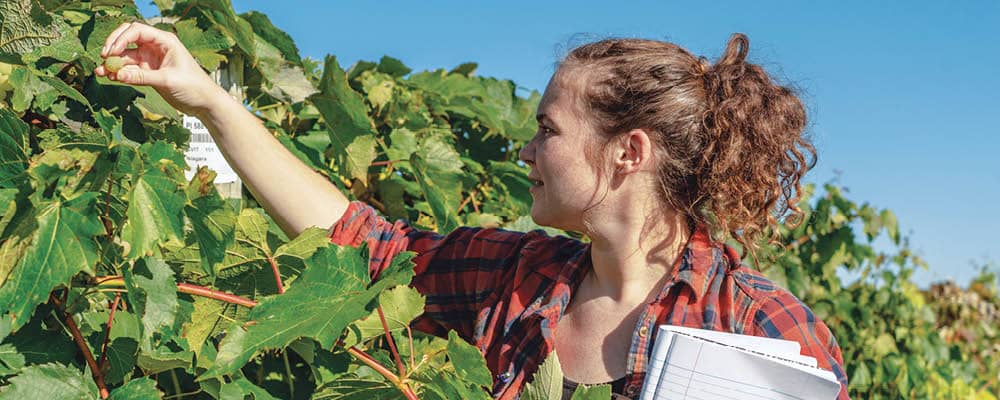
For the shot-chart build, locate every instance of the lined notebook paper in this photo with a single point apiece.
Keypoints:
(701, 364)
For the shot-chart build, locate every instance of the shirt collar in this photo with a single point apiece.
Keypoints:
(700, 262)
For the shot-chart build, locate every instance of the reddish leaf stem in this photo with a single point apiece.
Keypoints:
(369, 361)
(466, 201)
(384, 163)
(107, 333)
(188, 288)
(82, 344)
(392, 343)
(475, 204)
(277, 275)
(214, 294)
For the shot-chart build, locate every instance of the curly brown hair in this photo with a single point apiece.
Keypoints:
(730, 140)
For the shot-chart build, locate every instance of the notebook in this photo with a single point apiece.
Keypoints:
(698, 364)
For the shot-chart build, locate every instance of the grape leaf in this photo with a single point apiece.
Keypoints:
(239, 388)
(152, 292)
(355, 388)
(213, 220)
(360, 154)
(468, 361)
(592, 392)
(205, 46)
(331, 293)
(221, 15)
(11, 360)
(206, 320)
(50, 382)
(136, 389)
(304, 245)
(24, 27)
(155, 212)
(266, 31)
(343, 109)
(440, 194)
(61, 247)
(547, 382)
(288, 82)
(403, 144)
(400, 305)
(14, 148)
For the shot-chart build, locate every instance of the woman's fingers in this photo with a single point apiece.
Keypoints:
(112, 37)
(134, 33)
(133, 75)
(129, 57)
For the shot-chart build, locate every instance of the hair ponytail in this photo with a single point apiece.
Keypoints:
(755, 155)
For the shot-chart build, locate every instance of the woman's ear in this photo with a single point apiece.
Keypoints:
(634, 152)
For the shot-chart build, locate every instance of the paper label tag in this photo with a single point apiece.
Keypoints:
(204, 151)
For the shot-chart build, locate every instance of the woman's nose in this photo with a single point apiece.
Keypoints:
(527, 153)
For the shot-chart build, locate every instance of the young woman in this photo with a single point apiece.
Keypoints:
(653, 153)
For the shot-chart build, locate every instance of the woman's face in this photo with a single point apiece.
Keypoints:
(566, 183)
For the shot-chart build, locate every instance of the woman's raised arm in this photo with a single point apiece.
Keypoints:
(292, 193)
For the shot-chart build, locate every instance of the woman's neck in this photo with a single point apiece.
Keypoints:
(634, 252)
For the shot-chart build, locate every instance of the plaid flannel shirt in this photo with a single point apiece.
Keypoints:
(505, 291)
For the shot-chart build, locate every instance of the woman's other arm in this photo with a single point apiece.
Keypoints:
(293, 194)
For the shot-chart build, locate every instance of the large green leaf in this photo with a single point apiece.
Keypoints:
(152, 291)
(11, 360)
(240, 388)
(205, 46)
(342, 108)
(61, 247)
(332, 292)
(24, 27)
(221, 16)
(213, 220)
(547, 382)
(266, 31)
(50, 382)
(136, 389)
(287, 81)
(468, 361)
(442, 191)
(400, 305)
(14, 147)
(156, 203)
(360, 154)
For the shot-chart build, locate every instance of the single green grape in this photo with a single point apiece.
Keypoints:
(114, 63)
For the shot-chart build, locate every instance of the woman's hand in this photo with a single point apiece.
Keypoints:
(161, 61)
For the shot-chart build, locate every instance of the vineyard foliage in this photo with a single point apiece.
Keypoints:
(120, 278)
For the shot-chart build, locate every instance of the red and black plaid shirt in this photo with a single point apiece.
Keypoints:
(505, 291)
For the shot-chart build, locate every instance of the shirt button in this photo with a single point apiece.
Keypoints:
(643, 331)
(631, 390)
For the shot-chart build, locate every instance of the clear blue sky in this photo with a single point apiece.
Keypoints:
(903, 97)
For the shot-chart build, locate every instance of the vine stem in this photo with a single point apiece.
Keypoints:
(82, 344)
(392, 343)
(369, 361)
(277, 275)
(117, 280)
(107, 333)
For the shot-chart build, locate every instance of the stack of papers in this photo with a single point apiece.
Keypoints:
(700, 364)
